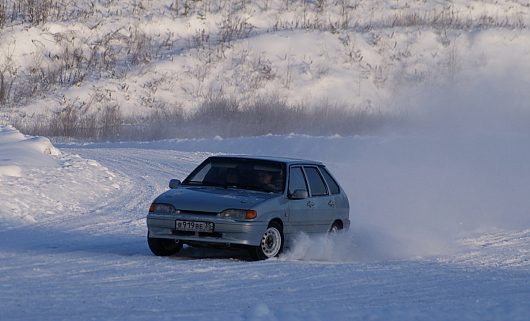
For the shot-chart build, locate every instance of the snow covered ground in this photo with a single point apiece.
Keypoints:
(440, 231)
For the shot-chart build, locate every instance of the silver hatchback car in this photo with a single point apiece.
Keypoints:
(259, 203)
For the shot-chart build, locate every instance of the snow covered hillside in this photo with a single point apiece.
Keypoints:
(134, 69)
(440, 230)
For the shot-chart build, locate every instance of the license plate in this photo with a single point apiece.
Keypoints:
(194, 226)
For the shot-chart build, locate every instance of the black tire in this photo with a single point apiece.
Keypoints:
(335, 227)
(271, 244)
(163, 247)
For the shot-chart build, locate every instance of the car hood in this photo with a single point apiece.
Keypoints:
(212, 199)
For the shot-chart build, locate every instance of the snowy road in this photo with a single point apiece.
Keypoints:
(95, 264)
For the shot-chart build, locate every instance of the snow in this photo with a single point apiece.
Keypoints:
(439, 207)
(439, 231)
(311, 69)
(290, 52)
(39, 182)
(19, 150)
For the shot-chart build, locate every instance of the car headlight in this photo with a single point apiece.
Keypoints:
(162, 209)
(238, 214)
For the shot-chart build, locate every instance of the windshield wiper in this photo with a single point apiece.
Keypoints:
(255, 188)
(235, 186)
(197, 183)
(207, 184)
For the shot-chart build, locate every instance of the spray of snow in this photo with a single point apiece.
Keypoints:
(341, 247)
(459, 168)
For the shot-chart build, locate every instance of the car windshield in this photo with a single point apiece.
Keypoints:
(241, 173)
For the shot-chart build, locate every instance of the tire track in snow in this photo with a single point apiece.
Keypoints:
(141, 175)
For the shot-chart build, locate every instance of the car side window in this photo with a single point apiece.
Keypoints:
(318, 187)
(332, 184)
(296, 180)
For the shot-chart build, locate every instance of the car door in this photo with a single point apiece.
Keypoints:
(300, 210)
(305, 214)
(339, 203)
(320, 201)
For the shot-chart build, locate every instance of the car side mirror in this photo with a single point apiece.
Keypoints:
(299, 194)
(174, 183)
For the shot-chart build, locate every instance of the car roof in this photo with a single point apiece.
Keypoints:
(286, 160)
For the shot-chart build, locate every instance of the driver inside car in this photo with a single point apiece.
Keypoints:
(265, 181)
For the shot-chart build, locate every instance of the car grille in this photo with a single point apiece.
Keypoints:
(189, 212)
(200, 234)
(183, 233)
(210, 234)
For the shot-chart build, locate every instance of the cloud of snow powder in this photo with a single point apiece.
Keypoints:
(461, 166)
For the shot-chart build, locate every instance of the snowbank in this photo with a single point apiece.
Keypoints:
(37, 180)
(18, 151)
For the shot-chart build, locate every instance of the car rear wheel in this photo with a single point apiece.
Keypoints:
(271, 244)
(336, 227)
(163, 247)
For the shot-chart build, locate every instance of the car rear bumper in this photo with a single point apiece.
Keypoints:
(226, 232)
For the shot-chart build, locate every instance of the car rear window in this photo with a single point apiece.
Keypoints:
(316, 183)
(333, 186)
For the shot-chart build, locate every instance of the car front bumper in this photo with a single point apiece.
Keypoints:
(226, 232)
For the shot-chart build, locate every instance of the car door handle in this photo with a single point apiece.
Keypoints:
(331, 203)
(310, 204)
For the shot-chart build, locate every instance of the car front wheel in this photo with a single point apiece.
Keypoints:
(271, 244)
(163, 247)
